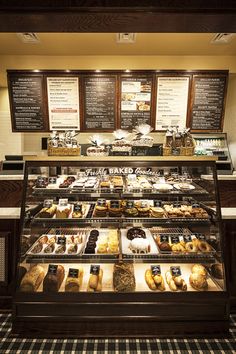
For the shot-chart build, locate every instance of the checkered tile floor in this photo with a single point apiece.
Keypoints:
(9, 344)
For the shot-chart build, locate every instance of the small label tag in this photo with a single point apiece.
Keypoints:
(130, 204)
(114, 204)
(41, 179)
(195, 205)
(164, 238)
(94, 269)
(158, 203)
(101, 202)
(78, 207)
(48, 203)
(200, 237)
(156, 269)
(63, 202)
(73, 273)
(175, 271)
(52, 269)
(174, 239)
(187, 238)
(61, 240)
(52, 180)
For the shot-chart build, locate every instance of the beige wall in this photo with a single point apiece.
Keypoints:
(32, 142)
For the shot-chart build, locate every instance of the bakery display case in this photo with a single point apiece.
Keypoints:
(120, 248)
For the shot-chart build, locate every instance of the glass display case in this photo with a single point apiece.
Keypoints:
(120, 247)
(215, 145)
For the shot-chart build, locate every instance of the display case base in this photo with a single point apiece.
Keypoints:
(121, 315)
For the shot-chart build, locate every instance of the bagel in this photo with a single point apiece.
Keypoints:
(191, 247)
(204, 246)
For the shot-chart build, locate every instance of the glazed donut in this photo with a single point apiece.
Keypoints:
(203, 246)
(191, 247)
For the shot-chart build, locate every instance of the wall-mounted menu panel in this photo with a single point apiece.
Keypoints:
(208, 100)
(171, 101)
(27, 103)
(99, 102)
(63, 103)
(136, 101)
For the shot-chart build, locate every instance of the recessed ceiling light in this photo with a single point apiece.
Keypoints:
(126, 38)
(28, 37)
(127, 71)
(97, 71)
(222, 38)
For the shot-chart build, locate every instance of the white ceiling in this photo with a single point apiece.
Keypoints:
(105, 44)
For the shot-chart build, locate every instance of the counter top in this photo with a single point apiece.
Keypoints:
(119, 158)
(9, 213)
(221, 177)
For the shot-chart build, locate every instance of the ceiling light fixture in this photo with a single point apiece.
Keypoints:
(126, 38)
(222, 38)
(28, 37)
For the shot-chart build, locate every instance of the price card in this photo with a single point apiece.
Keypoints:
(114, 204)
(130, 204)
(52, 269)
(195, 205)
(187, 238)
(158, 203)
(52, 180)
(164, 238)
(63, 202)
(94, 269)
(137, 194)
(101, 202)
(41, 179)
(96, 195)
(73, 273)
(175, 271)
(78, 207)
(156, 269)
(61, 240)
(48, 203)
(200, 237)
(174, 239)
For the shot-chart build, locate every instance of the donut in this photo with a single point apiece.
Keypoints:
(191, 247)
(203, 246)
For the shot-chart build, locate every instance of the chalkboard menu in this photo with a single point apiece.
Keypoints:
(99, 102)
(208, 102)
(136, 98)
(26, 94)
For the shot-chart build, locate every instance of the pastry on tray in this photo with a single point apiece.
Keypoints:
(54, 278)
(123, 277)
(32, 279)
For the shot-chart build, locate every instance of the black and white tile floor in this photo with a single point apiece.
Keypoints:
(10, 344)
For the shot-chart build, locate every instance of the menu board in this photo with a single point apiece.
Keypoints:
(63, 103)
(172, 101)
(99, 102)
(26, 98)
(136, 95)
(208, 102)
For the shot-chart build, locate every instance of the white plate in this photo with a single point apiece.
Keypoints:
(184, 186)
(163, 186)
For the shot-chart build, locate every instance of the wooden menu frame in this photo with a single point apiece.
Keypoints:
(118, 74)
(223, 75)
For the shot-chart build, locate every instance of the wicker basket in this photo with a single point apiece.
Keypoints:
(167, 151)
(63, 151)
(187, 151)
